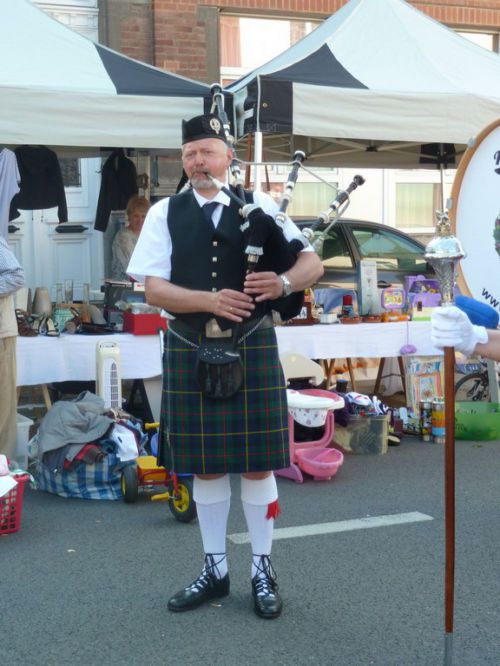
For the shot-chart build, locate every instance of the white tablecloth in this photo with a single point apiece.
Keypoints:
(356, 340)
(43, 359)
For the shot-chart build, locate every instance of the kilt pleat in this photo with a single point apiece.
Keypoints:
(248, 432)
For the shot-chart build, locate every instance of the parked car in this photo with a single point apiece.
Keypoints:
(349, 241)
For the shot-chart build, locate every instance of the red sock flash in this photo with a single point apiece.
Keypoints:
(273, 510)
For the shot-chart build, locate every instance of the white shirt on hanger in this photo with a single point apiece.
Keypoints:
(9, 185)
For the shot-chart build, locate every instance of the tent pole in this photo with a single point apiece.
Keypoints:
(441, 170)
(249, 159)
(257, 157)
(147, 188)
(441, 157)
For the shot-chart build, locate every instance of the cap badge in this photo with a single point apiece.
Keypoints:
(215, 125)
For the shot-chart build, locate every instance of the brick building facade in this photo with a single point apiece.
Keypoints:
(182, 37)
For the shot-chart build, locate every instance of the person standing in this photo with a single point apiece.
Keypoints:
(11, 279)
(125, 240)
(191, 255)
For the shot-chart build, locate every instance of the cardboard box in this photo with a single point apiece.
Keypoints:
(143, 324)
(368, 295)
(424, 379)
(363, 434)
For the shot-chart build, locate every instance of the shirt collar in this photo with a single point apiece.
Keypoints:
(220, 197)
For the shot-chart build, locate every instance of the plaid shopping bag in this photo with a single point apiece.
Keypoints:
(100, 480)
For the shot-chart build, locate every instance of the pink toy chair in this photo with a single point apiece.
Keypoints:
(310, 407)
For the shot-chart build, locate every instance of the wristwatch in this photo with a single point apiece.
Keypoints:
(287, 285)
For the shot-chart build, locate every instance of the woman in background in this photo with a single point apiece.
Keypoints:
(125, 240)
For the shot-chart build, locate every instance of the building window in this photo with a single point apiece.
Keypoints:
(71, 171)
(248, 42)
(484, 39)
(311, 199)
(416, 203)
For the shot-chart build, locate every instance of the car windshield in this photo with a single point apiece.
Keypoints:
(389, 250)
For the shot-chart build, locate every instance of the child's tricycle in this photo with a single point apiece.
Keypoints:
(147, 473)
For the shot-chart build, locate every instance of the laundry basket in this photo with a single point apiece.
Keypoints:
(11, 506)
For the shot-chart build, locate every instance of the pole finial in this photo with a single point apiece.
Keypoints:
(443, 252)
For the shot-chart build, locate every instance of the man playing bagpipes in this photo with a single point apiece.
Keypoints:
(224, 408)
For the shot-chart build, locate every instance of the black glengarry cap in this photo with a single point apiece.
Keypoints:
(207, 126)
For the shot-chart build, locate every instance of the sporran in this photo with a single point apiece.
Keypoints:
(219, 368)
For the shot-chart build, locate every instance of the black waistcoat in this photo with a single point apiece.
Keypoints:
(204, 257)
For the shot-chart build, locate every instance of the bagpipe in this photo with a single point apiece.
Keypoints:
(266, 247)
(263, 233)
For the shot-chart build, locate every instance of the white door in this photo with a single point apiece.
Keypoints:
(49, 256)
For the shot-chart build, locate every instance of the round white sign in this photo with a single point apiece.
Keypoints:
(475, 214)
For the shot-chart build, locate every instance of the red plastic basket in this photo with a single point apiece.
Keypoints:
(11, 505)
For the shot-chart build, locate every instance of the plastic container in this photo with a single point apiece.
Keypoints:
(425, 290)
(477, 420)
(11, 506)
(146, 323)
(321, 463)
(347, 306)
(364, 434)
(438, 421)
(23, 436)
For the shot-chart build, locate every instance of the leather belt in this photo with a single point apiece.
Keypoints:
(213, 330)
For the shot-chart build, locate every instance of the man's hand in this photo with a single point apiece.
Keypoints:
(233, 305)
(264, 286)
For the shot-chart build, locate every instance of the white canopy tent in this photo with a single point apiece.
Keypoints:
(60, 89)
(372, 86)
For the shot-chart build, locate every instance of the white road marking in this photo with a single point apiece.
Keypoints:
(339, 526)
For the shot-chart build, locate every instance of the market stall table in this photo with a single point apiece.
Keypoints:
(328, 342)
(324, 341)
(43, 360)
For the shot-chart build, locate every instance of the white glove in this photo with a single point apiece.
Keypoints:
(450, 327)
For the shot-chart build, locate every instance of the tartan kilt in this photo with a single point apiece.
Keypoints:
(248, 432)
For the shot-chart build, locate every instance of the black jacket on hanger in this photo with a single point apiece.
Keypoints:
(118, 184)
(41, 182)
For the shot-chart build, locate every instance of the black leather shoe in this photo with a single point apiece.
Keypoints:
(266, 599)
(207, 586)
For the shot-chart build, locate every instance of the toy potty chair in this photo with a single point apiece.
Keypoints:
(311, 408)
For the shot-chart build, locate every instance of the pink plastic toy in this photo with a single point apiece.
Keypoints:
(313, 457)
(320, 463)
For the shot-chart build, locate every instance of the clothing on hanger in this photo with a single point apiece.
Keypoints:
(41, 182)
(9, 186)
(118, 184)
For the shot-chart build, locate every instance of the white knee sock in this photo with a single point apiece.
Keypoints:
(213, 499)
(257, 498)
